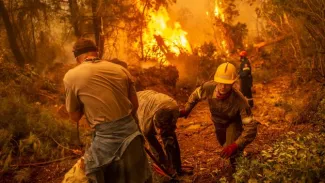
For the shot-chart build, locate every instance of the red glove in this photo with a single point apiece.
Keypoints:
(182, 113)
(229, 150)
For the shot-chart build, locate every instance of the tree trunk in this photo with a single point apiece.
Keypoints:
(11, 35)
(34, 55)
(141, 30)
(97, 27)
(74, 11)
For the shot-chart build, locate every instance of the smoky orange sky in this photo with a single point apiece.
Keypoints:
(193, 18)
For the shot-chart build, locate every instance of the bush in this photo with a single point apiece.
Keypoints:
(321, 110)
(29, 133)
(297, 158)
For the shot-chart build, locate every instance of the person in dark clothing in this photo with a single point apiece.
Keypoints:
(246, 78)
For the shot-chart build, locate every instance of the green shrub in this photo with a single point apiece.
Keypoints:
(49, 86)
(31, 133)
(23, 175)
(321, 110)
(297, 158)
(319, 117)
(8, 71)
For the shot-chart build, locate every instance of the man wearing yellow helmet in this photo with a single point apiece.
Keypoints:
(230, 111)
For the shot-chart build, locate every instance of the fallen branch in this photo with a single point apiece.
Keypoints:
(47, 96)
(44, 163)
(206, 126)
(74, 151)
(265, 43)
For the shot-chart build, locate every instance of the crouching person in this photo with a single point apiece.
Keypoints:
(158, 114)
(105, 94)
(230, 111)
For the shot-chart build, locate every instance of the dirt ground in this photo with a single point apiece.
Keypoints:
(199, 147)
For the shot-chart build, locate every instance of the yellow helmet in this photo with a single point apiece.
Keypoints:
(226, 73)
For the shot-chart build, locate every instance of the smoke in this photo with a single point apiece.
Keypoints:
(248, 16)
(192, 14)
(194, 20)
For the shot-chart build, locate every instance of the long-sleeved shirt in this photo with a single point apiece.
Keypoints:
(233, 109)
(245, 69)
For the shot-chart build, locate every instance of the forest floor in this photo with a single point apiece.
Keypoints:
(274, 109)
(198, 143)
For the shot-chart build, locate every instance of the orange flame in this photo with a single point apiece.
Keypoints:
(219, 14)
(158, 34)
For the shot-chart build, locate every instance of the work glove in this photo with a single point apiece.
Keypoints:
(182, 113)
(229, 150)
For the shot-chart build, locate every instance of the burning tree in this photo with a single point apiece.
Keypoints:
(143, 26)
(228, 36)
(160, 39)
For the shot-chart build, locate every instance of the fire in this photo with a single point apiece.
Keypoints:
(160, 39)
(219, 14)
(217, 11)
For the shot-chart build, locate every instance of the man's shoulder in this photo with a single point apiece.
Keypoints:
(208, 88)
(114, 67)
(247, 60)
(209, 85)
(78, 73)
(70, 75)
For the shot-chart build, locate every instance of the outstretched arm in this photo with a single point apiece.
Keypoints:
(198, 94)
